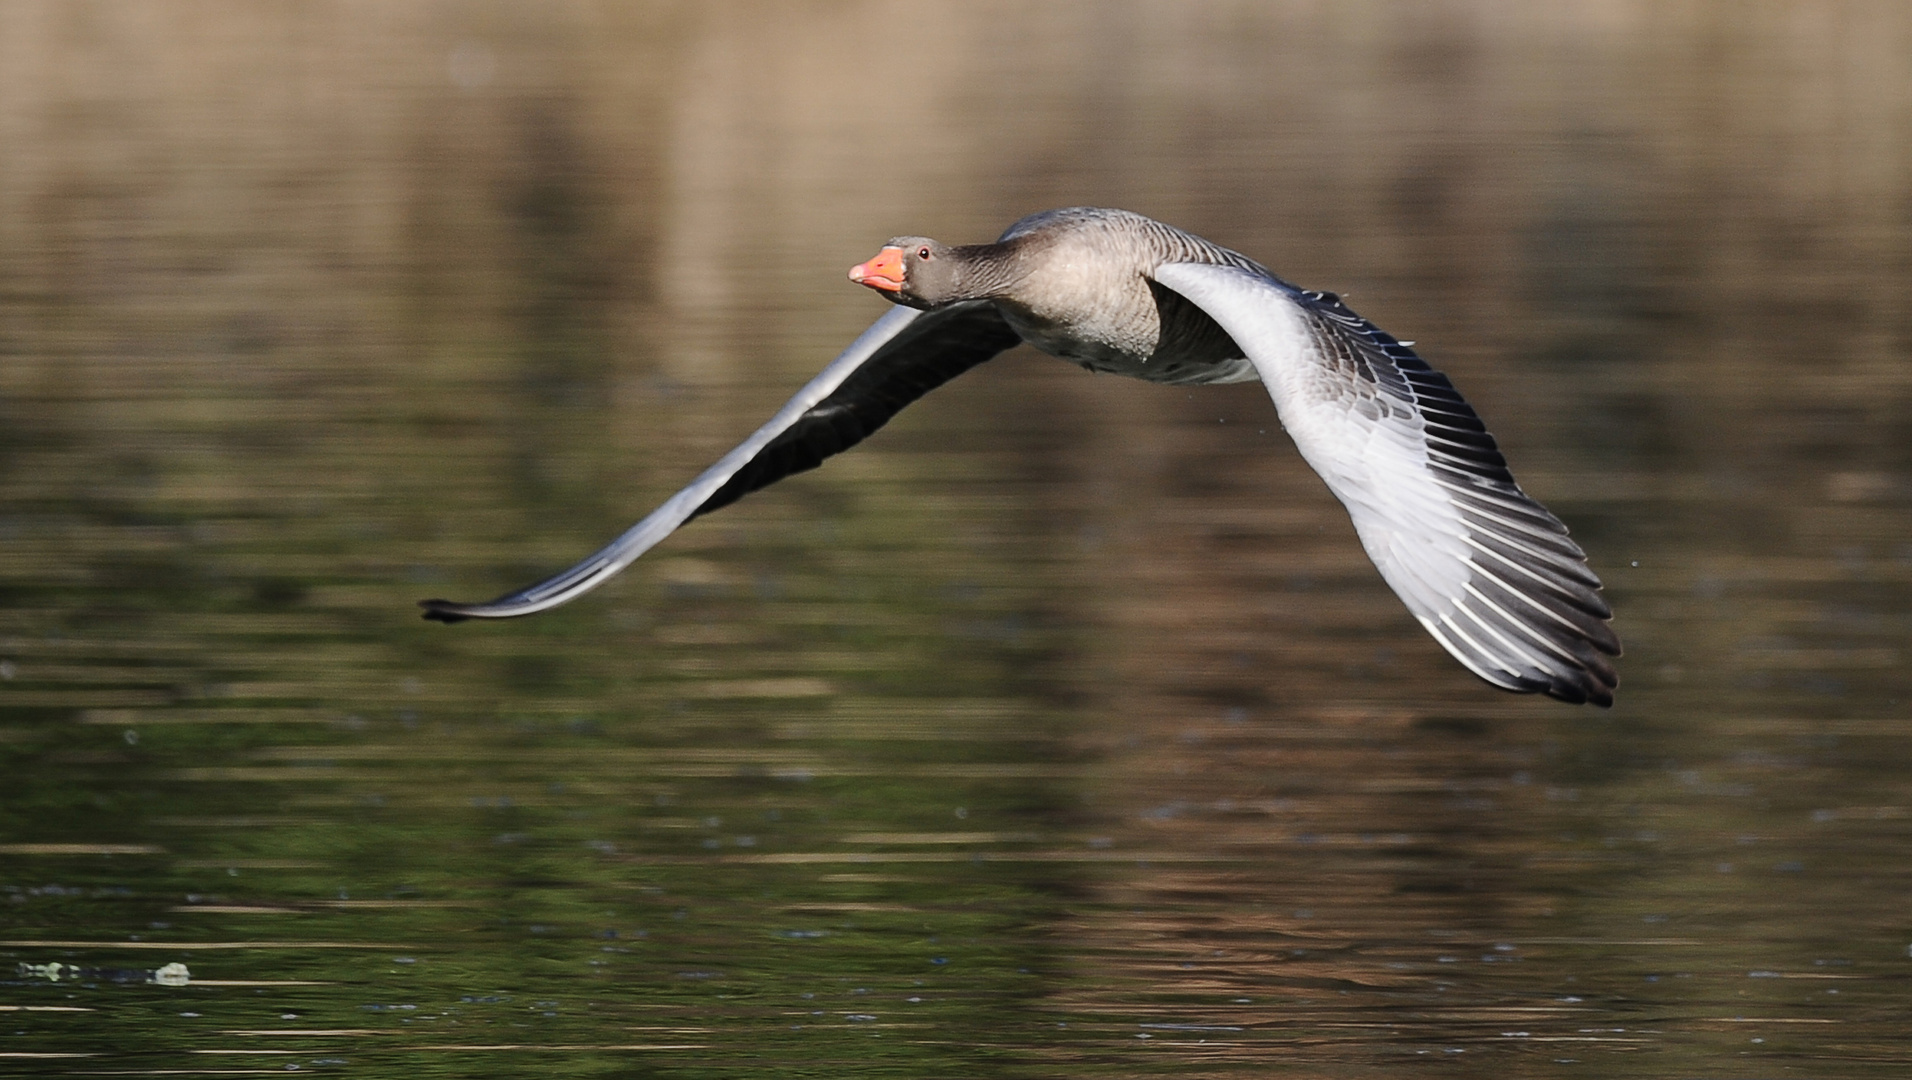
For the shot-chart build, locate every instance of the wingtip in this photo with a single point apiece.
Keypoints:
(444, 611)
(1593, 688)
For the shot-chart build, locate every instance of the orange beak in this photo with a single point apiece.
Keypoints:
(884, 273)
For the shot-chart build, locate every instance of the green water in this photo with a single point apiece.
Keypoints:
(1060, 730)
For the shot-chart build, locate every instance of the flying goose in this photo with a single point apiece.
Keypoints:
(1488, 571)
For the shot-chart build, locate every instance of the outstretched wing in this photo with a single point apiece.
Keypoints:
(1486, 569)
(902, 356)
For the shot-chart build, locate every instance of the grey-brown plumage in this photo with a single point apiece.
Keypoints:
(1488, 571)
(1077, 284)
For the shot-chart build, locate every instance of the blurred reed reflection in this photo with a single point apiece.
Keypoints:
(1062, 728)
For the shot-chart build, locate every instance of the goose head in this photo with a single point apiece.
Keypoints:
(917, 272)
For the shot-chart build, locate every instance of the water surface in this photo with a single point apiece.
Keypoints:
(1061, 729)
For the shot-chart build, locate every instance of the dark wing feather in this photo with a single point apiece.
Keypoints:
(923, 357)
(902, 356)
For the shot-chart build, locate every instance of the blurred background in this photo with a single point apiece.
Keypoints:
(1060, 729)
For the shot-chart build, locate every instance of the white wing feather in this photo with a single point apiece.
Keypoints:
(1486, 569)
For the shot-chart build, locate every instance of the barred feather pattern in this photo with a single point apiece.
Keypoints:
(1485, 568)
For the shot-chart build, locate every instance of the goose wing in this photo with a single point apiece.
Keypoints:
(1486, 569)
(902, 356)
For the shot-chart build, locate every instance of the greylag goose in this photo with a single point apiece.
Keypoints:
(1488, 571)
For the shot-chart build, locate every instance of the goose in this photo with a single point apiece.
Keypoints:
(1488, 571)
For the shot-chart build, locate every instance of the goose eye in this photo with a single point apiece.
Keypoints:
(922, 253)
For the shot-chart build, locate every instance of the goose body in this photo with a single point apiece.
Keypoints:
(1487, 570)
